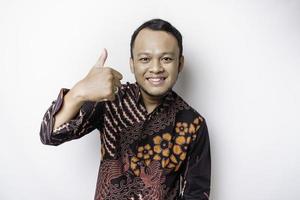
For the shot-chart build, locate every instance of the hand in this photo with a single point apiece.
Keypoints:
(100, 84)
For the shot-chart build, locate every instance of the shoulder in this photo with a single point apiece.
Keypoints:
(190, 125)
(185, 112)
(189, 121)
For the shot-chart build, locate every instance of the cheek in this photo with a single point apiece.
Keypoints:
(139, 70)
(173, 70)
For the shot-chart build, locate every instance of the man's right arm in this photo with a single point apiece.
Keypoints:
(78, 111)
(67, 119)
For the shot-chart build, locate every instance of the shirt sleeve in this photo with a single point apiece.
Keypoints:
(89, 117)
(197, 174)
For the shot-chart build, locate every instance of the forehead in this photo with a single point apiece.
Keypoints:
(155, 42)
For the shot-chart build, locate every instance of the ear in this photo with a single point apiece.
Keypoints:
(181, 63)
(131, 65)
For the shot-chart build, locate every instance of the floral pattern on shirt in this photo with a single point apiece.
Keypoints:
(169, 150)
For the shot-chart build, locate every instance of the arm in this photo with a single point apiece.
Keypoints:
(78, 111)
(73, 124)
(196, 178)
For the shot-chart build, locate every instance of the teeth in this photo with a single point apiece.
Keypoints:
(156, 79)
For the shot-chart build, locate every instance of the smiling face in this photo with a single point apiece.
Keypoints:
(155, 62)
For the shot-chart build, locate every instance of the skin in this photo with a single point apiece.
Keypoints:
(155, 54)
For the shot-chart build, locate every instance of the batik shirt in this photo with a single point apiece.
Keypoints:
(160, 155)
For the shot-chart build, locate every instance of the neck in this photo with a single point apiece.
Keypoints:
(151, 102)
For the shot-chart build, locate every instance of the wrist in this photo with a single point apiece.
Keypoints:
(75, 96)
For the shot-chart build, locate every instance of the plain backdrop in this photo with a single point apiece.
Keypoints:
(242, 73)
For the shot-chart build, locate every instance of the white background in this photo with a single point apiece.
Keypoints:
(242, 73)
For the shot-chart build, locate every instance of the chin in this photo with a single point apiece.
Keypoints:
(156, 92)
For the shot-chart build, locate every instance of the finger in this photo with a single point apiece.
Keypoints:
(117, 74)
(102, 58)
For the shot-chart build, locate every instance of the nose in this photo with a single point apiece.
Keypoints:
(156, 66)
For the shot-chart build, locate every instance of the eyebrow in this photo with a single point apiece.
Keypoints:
(164, 53)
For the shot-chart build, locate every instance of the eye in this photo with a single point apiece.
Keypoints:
(144, 59)
(167, 59)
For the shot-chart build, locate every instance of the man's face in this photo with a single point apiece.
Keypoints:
(155, 62)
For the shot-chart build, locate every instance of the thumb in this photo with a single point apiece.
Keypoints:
(102, 58)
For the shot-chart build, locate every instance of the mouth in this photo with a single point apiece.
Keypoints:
(156, 81)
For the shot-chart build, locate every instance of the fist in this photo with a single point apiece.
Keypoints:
(101, 83)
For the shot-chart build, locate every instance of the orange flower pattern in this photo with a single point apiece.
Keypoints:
(162, 148)
(181, 128)
(145, 152)
(135, 165)
(170, 150)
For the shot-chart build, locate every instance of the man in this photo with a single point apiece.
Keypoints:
(153, 144)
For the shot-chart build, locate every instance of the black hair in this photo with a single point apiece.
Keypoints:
(158, 25)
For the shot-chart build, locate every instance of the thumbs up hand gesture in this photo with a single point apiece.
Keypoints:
(100, 84)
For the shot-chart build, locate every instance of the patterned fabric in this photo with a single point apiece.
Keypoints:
(161, 155)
